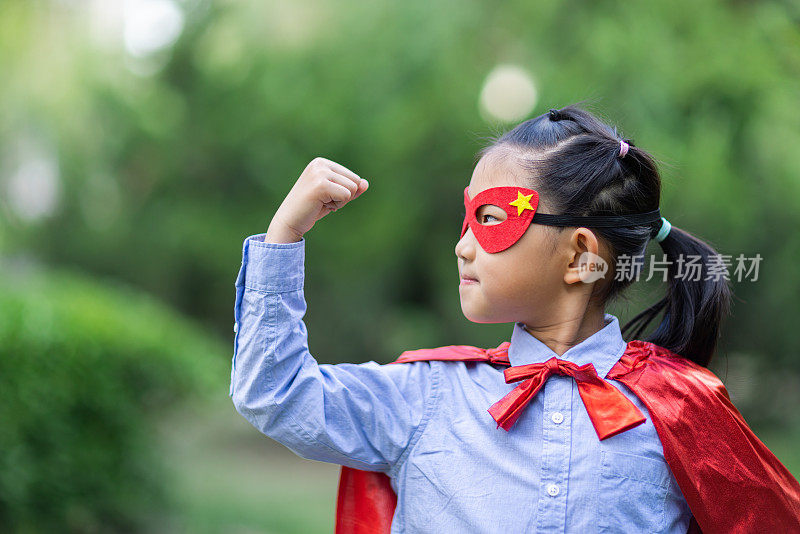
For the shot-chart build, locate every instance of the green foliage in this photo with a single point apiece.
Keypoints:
(84, 369)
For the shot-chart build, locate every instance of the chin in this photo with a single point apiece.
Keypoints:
(477, 317)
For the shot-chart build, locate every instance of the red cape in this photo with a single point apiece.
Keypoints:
(731, 481)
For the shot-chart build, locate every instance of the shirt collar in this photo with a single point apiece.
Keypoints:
(602, 349)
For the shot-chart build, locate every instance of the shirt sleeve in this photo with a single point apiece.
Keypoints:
(361, 415)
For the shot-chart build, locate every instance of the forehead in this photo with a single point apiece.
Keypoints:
(495, 169)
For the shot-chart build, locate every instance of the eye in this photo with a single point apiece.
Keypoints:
(489, 214)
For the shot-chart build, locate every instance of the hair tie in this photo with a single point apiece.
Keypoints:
(623, 148)
(664, 231)
(555, 115)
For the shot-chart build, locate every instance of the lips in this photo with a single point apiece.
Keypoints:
(464, 276)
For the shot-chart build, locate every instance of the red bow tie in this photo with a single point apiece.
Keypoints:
(609, 409)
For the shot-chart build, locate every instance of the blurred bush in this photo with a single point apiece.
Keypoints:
(84, 367)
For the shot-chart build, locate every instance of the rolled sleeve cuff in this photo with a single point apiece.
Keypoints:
(272, 267)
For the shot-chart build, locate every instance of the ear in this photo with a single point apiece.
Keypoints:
(585, 263)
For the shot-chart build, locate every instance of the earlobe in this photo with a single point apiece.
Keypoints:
(572, 276)
(572, 273)
(574, 268)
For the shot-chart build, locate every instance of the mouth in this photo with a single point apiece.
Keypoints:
(465, 280)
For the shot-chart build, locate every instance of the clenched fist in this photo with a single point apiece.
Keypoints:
(323, 187)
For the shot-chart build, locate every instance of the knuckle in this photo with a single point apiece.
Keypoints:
(313, 165)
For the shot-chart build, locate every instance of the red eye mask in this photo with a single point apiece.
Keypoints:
(519, 203)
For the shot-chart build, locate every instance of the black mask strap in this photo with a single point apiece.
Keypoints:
(600, 221)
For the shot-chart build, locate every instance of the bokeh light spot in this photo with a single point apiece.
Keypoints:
(508, 94)
(151, 25)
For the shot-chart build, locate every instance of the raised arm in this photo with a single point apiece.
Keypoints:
(360, 415)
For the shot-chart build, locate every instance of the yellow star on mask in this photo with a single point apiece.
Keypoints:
(522, 203)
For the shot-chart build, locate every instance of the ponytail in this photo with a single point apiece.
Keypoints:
(694, 306)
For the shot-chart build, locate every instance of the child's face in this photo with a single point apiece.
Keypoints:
(528, 281)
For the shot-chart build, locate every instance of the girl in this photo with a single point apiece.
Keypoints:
(551, 204)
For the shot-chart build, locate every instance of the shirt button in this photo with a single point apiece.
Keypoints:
(235, 327)
(557, 417)
(552, 489)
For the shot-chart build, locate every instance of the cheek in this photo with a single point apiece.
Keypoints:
(522, 273)
(509, 274)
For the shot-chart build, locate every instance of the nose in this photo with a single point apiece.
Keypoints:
(465, 248)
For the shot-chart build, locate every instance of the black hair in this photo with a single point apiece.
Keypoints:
(572, 158)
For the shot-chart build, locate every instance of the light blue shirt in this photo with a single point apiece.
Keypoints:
(426, 425)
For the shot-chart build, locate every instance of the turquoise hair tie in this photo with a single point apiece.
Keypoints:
(665, 228)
